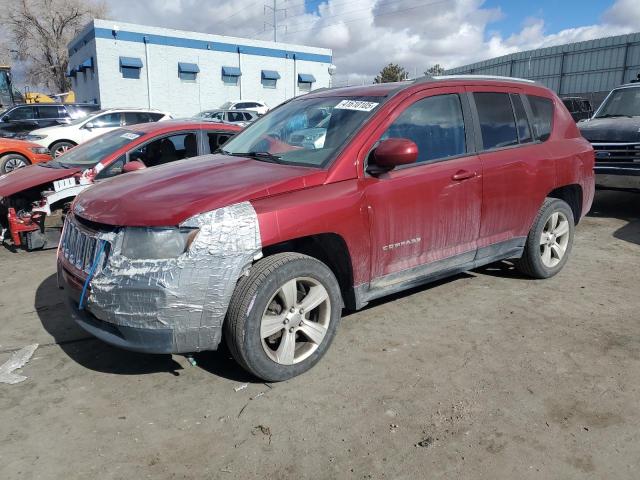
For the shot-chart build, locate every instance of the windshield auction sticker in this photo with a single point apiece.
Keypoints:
(129, 136)
(356, 105)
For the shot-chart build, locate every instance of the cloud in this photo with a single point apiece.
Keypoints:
(368, 34)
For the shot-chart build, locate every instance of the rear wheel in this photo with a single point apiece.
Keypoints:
(283, 316)
(12, 161)
(549, 241)
(60, 148)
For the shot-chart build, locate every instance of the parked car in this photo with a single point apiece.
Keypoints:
(256, 106)
(34, 200)
(238, 117)
(18, 153)
(22, 119)
(267, 241)
(614, 132)
(580, 108)
(59, 139)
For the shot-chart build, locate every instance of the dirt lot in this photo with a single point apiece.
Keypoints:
(487, 375)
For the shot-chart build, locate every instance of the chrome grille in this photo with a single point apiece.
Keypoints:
(617, 152)
(78, 246)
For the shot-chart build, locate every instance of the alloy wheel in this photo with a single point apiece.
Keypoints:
(554, 239)
(296, 320)
(13, 164)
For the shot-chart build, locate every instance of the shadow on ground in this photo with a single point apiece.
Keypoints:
(622, 205)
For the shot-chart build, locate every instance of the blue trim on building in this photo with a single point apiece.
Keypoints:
(231, 71)
(130, 62)
(136, 37)
(88, 63)
(188, 67)
(270, 75)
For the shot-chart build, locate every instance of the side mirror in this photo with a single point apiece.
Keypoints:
(133, 166)
(392, 153)
(89, 125)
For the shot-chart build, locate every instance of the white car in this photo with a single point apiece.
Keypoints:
(60, 138)
(254, 105)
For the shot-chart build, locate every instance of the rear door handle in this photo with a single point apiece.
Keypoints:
(463, 175)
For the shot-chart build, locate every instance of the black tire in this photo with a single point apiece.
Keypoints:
(13, 161)
(59, 148)
(531, 263)
(249, 301)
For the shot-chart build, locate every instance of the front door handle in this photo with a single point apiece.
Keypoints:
(463, 175)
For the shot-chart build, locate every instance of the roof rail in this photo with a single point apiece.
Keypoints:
(481, 77)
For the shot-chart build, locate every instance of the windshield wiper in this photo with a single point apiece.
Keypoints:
(262, 156)
(614, 115)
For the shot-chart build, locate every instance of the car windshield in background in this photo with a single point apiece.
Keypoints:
(89, 154)
(621, 103)
(305, 131)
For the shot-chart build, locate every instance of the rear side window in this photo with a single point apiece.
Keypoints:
(524, 133)
(133, 118)
(497, 124)
(50, 112)
(435, 124)
(155, 116)
(542, 109)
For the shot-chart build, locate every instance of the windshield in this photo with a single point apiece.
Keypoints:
(89, 154)
(621, 103)
(284, 135)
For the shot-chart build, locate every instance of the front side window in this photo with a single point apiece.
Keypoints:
(49, 112)
(107, 120)
(292, 134)
(542, 109)
(497, 123)
(21, 113)
(166, 149)
(435, 124)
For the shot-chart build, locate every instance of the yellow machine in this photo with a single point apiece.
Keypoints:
(9, 97)
(36, 97)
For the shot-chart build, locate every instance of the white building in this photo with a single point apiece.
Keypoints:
(127, 65)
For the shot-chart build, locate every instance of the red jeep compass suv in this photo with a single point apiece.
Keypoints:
(331, 200)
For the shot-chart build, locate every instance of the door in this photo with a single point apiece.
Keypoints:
(429, 211)
(98, 125)
(515, 167)
(49, 115)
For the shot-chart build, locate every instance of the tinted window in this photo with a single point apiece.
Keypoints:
(155, 116)
(131, 118)
(542, 109)
(242, 105)
(166, 149)
(48, 111)
(22, 113)
(115, 168)
(107, 120)
(235, 116)
(497, 124)
(434, 124)
(524, 133)
(216, 140)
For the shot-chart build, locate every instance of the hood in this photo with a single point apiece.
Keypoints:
(170, 194)
(615, 129)
(32, 176)
(15, 143)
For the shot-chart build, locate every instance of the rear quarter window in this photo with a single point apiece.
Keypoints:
(542, 109)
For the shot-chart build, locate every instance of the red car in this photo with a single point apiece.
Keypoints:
(333, 199)
(34, 200)
(16, 154)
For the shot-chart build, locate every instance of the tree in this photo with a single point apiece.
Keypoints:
(435, 70)
(40, 31)
(391, 73)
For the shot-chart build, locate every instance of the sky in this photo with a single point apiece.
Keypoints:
(365, 35)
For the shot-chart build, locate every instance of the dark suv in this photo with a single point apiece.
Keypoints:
(614, 132)
(25, 118)
(267, 240)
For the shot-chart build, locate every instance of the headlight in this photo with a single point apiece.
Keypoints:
(40, 150)
(156, 243)
(33, 137)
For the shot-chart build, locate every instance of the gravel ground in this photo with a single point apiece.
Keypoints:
(487, 375)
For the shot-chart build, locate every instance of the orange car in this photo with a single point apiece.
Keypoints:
(19, 153)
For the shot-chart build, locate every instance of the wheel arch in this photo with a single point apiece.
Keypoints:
(12, 152)
(572, 194)
(329, 248)
(61, 140)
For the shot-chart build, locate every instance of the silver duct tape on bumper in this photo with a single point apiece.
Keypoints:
(188, 295)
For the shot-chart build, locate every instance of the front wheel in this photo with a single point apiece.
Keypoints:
(12, 162)
(549, 241)
(60, 148)
(283, 316)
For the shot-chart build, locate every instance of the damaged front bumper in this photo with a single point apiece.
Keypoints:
(175, 305)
